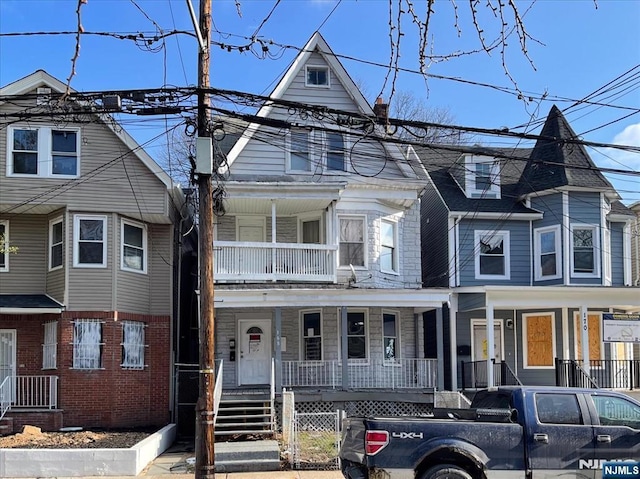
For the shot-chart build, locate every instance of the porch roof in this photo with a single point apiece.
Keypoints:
(419, 299)
(532, 297)
(29, 304)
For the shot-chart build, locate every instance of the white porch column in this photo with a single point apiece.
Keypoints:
(440, 343)
(344, 349)
(490, 344)
(566, 351)
(278, 348)
(453, 340)
(584, 333)
(273, 239)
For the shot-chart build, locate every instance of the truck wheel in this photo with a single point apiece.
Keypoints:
(446, 471)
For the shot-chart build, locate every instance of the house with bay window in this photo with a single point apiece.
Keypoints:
(317, 250)
(536, 248)
(88, 277)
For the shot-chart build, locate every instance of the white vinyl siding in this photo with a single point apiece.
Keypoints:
(56, 239)
(43, 152)
(134, 247)
(50, 345)
(87, 344)
(548, 256)
(89, 241)
(133, 345)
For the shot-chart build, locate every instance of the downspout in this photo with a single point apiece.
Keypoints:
(453, 312)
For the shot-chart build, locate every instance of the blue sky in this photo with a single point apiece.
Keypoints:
(584, 45)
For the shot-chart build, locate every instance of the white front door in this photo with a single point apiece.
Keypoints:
(480, 342)
(8, 358)
(254, 366)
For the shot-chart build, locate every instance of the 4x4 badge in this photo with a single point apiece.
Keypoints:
(407, 435)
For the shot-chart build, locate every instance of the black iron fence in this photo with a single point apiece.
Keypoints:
(603, 373)
(474, 374)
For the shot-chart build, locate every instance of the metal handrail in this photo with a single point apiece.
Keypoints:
(273, 394)
(5, 396)
(217, 392)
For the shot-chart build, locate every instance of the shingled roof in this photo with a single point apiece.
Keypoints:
(554, 163)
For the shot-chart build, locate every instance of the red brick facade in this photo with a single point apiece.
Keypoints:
(110, 397)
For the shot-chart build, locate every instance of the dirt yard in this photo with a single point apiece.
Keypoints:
(34, 438)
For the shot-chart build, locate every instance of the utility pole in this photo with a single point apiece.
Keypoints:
(205, 427)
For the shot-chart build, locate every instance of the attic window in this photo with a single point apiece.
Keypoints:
(317, 76)
(482, 177)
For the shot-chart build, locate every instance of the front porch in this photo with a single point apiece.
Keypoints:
(29, 400)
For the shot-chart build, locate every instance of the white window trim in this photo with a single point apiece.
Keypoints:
(317, 67)
(44, 153)
(483, 322)
(346, 145)
(525, 343)
(302, 336)
(76, 239)
(537, 233)
(137, 367)
(398, 344)
(52, 223)
(506, 244)
(596, 250)
(396, 252)
(606, 256)
(314, 165)
(470, 163)
(145, 248)
(577, 320)
(364, 240)
(100, 345)
(47, 346)
(366, 334)
(5, 268)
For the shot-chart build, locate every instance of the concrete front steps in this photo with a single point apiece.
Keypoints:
(247, 456)
(246, 414)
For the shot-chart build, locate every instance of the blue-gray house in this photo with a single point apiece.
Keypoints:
(536, 248)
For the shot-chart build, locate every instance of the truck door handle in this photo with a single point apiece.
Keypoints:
(603, 438)
(539, 437)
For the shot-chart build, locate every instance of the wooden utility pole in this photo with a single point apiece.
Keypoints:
(205, 428)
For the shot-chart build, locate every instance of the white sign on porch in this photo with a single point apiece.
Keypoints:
(621, 328)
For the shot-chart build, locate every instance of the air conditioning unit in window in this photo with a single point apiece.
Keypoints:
(44, 96)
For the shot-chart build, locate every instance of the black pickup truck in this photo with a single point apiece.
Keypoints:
(508, 432)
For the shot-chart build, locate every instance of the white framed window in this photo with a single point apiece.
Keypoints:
(388, 246)
(87, 344)
(43, 152)
(89, 241)
(390, 335)
(336, 151)
(606, 255)
(300, 155)
(311, 335)
(548, 253)
(133, 345)
(492, 255)
(56, 240)
(482, 177)
(352, 241)
(50, 345)
(4, 245)
(539, 340)
(316, 76)
(357, 333)
(134, 246)
(584, 247)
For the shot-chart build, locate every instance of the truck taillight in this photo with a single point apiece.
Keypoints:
(375, 441)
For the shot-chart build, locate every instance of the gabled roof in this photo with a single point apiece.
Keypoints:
(555, 163)
(41, 78)
(316, 44)
(438, 161)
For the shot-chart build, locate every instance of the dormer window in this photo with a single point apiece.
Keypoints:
(317, 76)
(482, 177)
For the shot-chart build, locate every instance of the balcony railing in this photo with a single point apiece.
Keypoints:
(242, 261)
(363, 374)
(474, 374)
(36, 392)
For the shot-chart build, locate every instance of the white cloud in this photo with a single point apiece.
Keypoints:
(629, 136)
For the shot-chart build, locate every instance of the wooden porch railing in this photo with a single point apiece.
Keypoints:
(242, 261)
(37, 392)
(363, 374)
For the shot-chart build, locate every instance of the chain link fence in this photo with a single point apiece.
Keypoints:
(316, 440)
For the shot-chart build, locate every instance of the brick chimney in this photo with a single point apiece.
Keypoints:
(381, 110)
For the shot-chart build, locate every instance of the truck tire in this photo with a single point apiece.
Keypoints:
(446, 471)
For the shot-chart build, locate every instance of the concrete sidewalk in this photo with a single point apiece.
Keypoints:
(253, 475)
